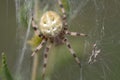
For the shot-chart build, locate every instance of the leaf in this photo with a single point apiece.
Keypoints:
(34, 41)
(4, 69)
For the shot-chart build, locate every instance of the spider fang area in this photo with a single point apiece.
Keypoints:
(50, 24)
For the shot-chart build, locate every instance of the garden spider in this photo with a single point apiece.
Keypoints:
(53, 26)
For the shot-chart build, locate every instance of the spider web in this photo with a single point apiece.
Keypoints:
(97, 18)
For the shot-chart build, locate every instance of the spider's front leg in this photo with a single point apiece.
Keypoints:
(35, 27)
(65, 40)
(48, 46)
(37, 32)
(39, 47)
(64, 16)
(62, 9)
(75, 33)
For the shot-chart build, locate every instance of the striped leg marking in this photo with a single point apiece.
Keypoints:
(75, 34)
(62, 9)
(64, 17)
(71, 51)
(35, 27)
(48, 46)
(39, 47)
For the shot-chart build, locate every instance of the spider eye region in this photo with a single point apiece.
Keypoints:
(50, 24)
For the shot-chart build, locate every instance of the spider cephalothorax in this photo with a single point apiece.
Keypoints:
(53, 27)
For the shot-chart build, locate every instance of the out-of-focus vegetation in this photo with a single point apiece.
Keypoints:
(4, 71)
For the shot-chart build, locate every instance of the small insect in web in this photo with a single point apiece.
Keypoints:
(95, 53)
(52, 26)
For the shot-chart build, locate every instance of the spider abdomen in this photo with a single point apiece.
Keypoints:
(50, 24)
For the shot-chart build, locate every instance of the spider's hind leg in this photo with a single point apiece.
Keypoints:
(48, 46)
(72, 51)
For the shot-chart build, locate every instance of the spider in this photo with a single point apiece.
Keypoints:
(52, 26)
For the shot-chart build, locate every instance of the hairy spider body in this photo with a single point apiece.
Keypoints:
(53, 28)
(50, 24)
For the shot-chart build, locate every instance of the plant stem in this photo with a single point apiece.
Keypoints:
(35, 59)
(35, 67)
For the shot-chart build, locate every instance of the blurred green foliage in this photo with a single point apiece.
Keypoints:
(34, 41)
(24, 16)
(5, 73)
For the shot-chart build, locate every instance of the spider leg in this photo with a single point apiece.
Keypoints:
(48, 46)
(39, 47)
(64, 16)
(35, 27)
(75, 33)
(62, 9)
(65, 40)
